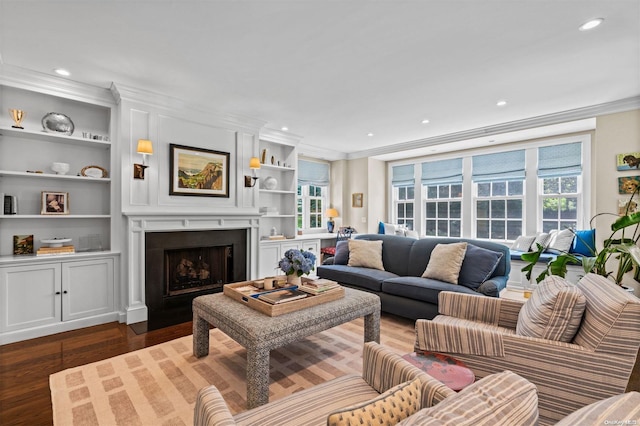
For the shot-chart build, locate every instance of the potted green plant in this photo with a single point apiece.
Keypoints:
(621, 245)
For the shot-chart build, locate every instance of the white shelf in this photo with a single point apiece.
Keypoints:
(55, 216)
(277, 191)
(52, 137)
(272, 167)
(9, 173)
(277, 215)
(31, 258)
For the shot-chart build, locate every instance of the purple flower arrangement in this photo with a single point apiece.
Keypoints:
(297, 262)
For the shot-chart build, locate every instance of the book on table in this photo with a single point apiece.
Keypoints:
(282, 296)
(319, 286)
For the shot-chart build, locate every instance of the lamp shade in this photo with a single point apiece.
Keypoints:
(254, 163)
(145, 147)
(331, 213)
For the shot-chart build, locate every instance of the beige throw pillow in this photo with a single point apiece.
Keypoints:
(445, 262)
(366, 254)
(554, 311)
(389, 408)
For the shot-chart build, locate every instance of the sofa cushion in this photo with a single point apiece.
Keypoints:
(554, 311)
(584, 242)
(342, 253)
(365, 278)
(619, 409)
(389, 408)
(395, 252)
(499, 399)
(560, 241)
(423, 289)
(542, 238)
(366, 254)
(523, 243)
(478, 266)
(445, 262)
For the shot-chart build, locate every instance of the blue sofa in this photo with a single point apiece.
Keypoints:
(400, 286)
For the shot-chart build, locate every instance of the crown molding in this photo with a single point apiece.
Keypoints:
(320, 153)
(613, 107)
(56, 86)
(279, 136)
(124, 92)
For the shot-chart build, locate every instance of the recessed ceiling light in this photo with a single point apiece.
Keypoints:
(589, 25)
(285, 128)
(62, 71)
(501, 103)
(369, 134)
(425, 121)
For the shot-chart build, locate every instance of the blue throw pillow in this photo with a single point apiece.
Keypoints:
(584, 242)
(342, 253)
(380, 228)
(477, 266)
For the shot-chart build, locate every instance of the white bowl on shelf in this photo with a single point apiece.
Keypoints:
(60, 168)
(56, 242)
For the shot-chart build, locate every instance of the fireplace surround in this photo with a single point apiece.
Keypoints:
(182, 265)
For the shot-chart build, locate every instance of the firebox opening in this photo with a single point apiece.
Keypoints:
(201, 268)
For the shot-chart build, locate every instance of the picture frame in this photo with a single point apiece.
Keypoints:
(357, 199)
(628, 184)
(198, 172)
(628, 161)
(54, 203)
(22, 244)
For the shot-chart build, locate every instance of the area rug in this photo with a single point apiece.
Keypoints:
(158, 385)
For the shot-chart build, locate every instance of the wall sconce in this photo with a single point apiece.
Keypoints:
(331, 213)
(145, 147)
(250, 181)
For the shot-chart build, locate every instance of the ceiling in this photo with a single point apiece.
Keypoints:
(335, 71)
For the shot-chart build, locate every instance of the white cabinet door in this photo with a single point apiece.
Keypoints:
(87, 289)
(30, 296)
(313, 246)
(268, 259)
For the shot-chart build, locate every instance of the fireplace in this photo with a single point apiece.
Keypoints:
(180, 266)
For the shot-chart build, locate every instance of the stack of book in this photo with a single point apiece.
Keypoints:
(318, 286)
(51, 251)
(281, 296)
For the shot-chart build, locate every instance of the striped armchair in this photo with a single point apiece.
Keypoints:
(596, 364)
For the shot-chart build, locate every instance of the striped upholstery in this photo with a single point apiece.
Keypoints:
(553, 312)
(597, 365)
(490, 310)
(615, 410)
(211, 409)
(500, 399)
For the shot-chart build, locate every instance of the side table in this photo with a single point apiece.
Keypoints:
(445, 368)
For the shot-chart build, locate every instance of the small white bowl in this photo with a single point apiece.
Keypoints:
(60, 168)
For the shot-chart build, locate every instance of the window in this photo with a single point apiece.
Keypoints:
(559, 171)
(403, 182)
(442, 192)
(313, 194)
(559, 200)
(403, 201)
(311, 205)
(443, 210)
(499, 209)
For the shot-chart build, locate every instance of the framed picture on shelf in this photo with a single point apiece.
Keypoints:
(198, 172)
(356, 199)
(23, 244)
(54, 203)
(628, 161)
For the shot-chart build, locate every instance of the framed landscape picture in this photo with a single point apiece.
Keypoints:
(23, 244)
(54, 203)
(356, 199)
(198, 172)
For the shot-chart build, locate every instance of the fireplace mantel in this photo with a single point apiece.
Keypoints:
(138, 224)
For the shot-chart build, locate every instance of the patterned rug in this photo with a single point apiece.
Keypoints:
(158, 385)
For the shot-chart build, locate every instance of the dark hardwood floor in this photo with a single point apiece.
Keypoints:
(25, 398)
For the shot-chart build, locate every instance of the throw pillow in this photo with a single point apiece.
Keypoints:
(523, 243)
(445, 262)
(554, 311)
(542, 238)
(560, 241)
(389, 408)
(584, 242)
(342, 253)
(478, 266)
(366, 254)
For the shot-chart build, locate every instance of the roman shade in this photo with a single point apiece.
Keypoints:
(402, 175)
(313, 173)
(442, 172)
(508, 165)
(560, 160)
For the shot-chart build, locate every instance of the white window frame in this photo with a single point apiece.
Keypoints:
(437, 200)
(396, 202)
(505, 198)
(578, 195)
(306, 208)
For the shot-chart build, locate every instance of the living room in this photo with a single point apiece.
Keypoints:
(120, 93)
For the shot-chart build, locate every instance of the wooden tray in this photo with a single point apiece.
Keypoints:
(280, 308)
